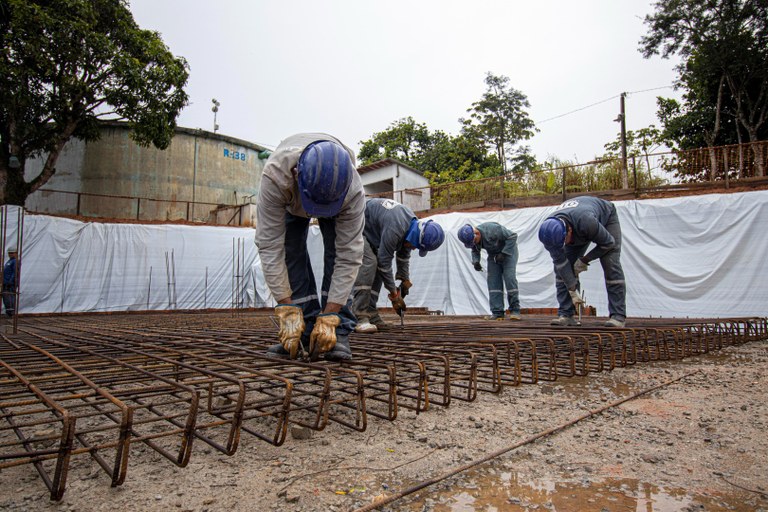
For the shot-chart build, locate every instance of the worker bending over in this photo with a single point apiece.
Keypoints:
(566, 234)
(311, 175)
(501, 245)
(391, 232)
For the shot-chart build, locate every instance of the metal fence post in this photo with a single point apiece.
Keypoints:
(634, 172)
(501, 184)
(564, 169)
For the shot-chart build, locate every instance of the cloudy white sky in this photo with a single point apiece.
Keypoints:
(353, 67)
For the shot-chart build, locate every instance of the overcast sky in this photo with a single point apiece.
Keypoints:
(353, 67)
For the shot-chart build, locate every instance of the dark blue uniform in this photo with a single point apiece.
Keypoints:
(9, 286)
(593, 220)
(501, 245)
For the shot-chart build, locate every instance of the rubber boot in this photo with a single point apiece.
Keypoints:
(341, 351)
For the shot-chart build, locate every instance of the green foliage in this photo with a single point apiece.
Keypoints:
(442, 157)
(724, 70)
(65, 65)
(405, 140)
(499, 118)
(497, 121)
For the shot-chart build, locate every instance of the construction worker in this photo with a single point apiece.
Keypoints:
(9, 282)
(501, 245)
(391, 232)
(566, 234)
(311, 175)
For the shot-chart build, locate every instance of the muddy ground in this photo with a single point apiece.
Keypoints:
(698, 442)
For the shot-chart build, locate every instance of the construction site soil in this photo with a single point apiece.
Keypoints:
(677, 429)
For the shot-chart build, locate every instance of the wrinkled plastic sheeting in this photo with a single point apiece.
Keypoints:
(695, 256)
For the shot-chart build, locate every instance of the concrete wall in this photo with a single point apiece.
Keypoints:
(198, 167)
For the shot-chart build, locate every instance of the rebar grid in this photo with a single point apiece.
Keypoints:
(73, 386)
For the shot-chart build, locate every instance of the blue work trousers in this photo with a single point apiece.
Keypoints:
(502, 272)
(9, 299)
(302, 279)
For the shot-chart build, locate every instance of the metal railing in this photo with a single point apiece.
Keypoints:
(722, 166)
(85, 204)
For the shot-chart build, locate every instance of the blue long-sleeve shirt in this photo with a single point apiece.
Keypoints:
(9, 273)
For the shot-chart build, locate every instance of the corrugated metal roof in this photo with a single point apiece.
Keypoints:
(384, 163)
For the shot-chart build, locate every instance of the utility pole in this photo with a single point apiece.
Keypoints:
(623, 120)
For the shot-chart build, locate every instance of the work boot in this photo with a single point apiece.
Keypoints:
(365, 327)
(380, 324)
(614, 322)
(566, 321)
(340, 351)
(277, 350)
(494, 317)
(515, 316)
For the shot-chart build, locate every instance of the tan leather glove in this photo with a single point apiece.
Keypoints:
(398, 304)
(291, 319)
(323, 337)
(576, 298)
(579, 266)
(405, 285)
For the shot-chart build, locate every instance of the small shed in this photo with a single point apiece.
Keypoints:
(393, 179)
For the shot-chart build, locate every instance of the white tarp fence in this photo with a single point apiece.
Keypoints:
(695, 256)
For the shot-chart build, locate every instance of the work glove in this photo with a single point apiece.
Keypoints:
(405, 285)
(478, 266)
(398, 304)
(576, 297)
(499, 258)
(291, 319)
(579, 266)
(323, 337)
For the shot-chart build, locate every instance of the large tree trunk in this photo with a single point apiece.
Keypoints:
(757, 151)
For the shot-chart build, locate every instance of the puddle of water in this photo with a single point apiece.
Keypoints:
(512, 492)
(605, 387)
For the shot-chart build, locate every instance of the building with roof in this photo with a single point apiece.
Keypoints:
(199, 174)
(395, 180)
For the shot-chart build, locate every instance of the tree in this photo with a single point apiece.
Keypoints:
(640, 143)
(443, 158)
(721, 42)
(458, 158)
(66, 64)
(404, 140)
(499, 118)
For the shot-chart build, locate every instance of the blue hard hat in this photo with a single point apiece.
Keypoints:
(325, 173)
(552, 233)
(467, 236)
(431, 237)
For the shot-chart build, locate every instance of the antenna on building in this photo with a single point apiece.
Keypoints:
(215, 110)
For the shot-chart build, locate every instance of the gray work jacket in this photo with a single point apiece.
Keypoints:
(493, 238)
(386, 225)
(588, 217)
(279, 193)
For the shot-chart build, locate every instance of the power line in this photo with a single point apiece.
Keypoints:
(601, 102)
(579, 109)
